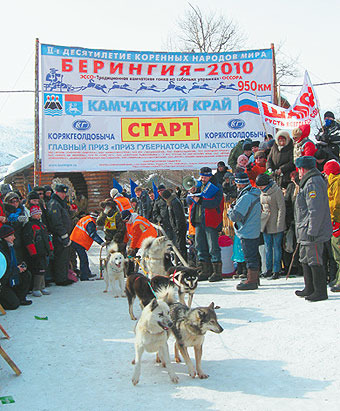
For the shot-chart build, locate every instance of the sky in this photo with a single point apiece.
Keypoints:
(307, 30)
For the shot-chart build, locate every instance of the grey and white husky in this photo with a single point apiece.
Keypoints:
(189, 328)
(152, 336)
(152, 253)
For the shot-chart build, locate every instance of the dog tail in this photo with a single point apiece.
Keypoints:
(167, 294)
(146, 245)
(113, 247)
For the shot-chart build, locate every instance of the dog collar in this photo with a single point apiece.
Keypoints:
(174, 280)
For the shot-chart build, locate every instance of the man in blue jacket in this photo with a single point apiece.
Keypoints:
(246, 215)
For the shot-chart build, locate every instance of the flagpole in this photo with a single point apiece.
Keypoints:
(274, 75)
(264, 127)
(36, 115)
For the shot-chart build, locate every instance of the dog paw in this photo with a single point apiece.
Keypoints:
(133, 318)
(115, 296)
(135, 381)
(202, 376)
(192, 374)
(175, 379)
(105, 291)
(133, 362)
(178, 359)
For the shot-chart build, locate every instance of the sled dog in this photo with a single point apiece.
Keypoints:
(114, 271)
(186, 279)
(152, 335)
(152, 253)
(189, 328)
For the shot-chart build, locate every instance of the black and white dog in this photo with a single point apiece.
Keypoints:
(186, 279)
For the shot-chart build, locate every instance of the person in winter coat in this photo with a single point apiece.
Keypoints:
(177, 220)
(280, 159)
(237, 151)
(143, 203)
(257, 167)
(82, 237)
(329, 135)
(3, 217)
(332, 170)
(322, 156)
(272, 223)
(221, 170)
(160, 213)
(138, 228)
(114, 227)
(246, 215)
(17, 217)
(242, 162)
(229, 187)
(60, 224)
(313, 228)
(15, 282)
(206, 204)
(39, 247)
(123, 203)
(303, 146)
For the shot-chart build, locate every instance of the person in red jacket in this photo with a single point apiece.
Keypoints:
(303, 146)
(256, 168)
(82, 237)
(137, 229)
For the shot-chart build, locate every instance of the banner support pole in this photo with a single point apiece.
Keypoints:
(36, 115)
(274, 75)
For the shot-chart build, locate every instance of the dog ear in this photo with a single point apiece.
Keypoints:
(212, 306)
(154, 304)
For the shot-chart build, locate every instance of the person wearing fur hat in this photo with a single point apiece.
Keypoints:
(221, 170)
(313, 228)
(143, 203)
(280, 159)
(246, 215)
(303, 146)
(329, 135)
(322, 156)
(123, 203)
(15, 282)
(178, 221)
(242, 162)
(110, 219)
(272, 223)
(39, 247)
(332, 171)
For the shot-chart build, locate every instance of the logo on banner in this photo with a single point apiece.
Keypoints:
(81, 125)
(73, 104)
(53, 104)
(236, 123)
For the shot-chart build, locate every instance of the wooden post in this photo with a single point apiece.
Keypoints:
(36, 116)
(274, 75)
(2, 310)
(9, 361)
(4, 332)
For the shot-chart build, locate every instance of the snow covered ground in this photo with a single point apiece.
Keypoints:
(277, 352)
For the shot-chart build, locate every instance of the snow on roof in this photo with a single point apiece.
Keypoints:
(21, 163)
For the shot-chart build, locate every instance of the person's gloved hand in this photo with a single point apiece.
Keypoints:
(23, 219)
(65, 240)
(132, 252)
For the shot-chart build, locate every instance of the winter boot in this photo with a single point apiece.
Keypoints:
(319, 283)
(252, 281)
(37, 282)
(275, 276)
(309, 288)
(44, 290)
(217, 272)
(204, 270)
(267, 274)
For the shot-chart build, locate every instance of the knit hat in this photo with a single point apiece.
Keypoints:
(307, 162)
(329, 114)
(263, 180)
(6, 230)
(113, 192)
(321, 154)
(228, 174)
(166, 194)
(33, 195)
(242, 178)
(10, 196)
(206, 172)
(61, 188)
(35, 210)
(242, 157)
(301, 132)
(282, 133)
(255, 144)
(161, 187)
(125, 215)
(221, 164)
(332, 167)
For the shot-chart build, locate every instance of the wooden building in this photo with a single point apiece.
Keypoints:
(95, 186)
